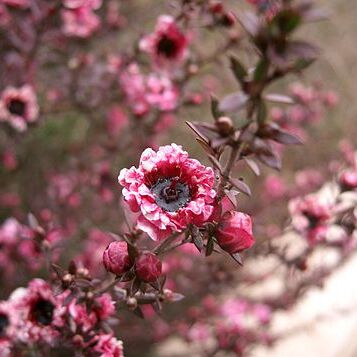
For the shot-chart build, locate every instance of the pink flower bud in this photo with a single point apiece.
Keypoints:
(234, 232)
(348, 180)
(116, 258)
(148, 267)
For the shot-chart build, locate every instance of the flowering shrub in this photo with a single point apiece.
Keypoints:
(85, 94)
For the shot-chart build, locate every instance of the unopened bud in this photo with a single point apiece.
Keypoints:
(216, 7)
(132, 303)
(67, 278)
(78, 340)
(193, 68)
(225, 125)
(83, 272)
(168, 294)
(148, 267)
(116, 258)
(228, 19)
(89, 295)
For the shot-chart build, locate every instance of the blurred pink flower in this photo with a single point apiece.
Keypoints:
(18, 106)
(167, 44)
(80, 21)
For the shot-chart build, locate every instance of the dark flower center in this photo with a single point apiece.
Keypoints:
(171, 194)
(167, 47)
(313, 219)
(42, 312)
(17, 107)
(4, 322)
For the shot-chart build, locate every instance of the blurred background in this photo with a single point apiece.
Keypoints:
(325, 320)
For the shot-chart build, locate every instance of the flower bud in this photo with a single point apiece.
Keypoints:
(234, 232)
(225, 125)
(228, 19)
(348, 180)
(116, 258)
(132, 303)
(148, 267)
(216, 7)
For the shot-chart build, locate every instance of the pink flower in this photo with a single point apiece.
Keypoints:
(116, 258)
(84, 319)
(80, 21)
(309, 212)
(262, 312)
(91, 256)
(8, 321)
(18, 106)
(274, 187)
(310, 217)
(148, 267)
(167, 44)
(169, 190)
(108, 346)
(40, 313)
(161, 93)
(348, 180)
(234, 232)
(148, 92)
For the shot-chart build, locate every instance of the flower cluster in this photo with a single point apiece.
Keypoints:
(147, 93)
(85, 91)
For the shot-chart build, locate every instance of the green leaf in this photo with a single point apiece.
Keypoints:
(262, 111)
(216, 113)
(238, 69)
(261, 70)
(287, 20)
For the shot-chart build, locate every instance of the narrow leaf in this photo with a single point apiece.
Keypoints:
(209, 247)
(215, 162)
(279, 98)
(252, 165)
(238, 258)
(241, 186)
(238, 69)
(261, 70)
(214, 108)
(233, 102)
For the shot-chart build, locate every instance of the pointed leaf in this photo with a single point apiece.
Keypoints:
(261, 70)
(252, 165)
(214, 108)
(238, 258)
(176, 297)
(250, 22)
(232, 196)
(271, 160)
(233, 102)
(241, 186)
(215, 162)
(238, 69)
(286, 138)
(209, 247)
(279, 98)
